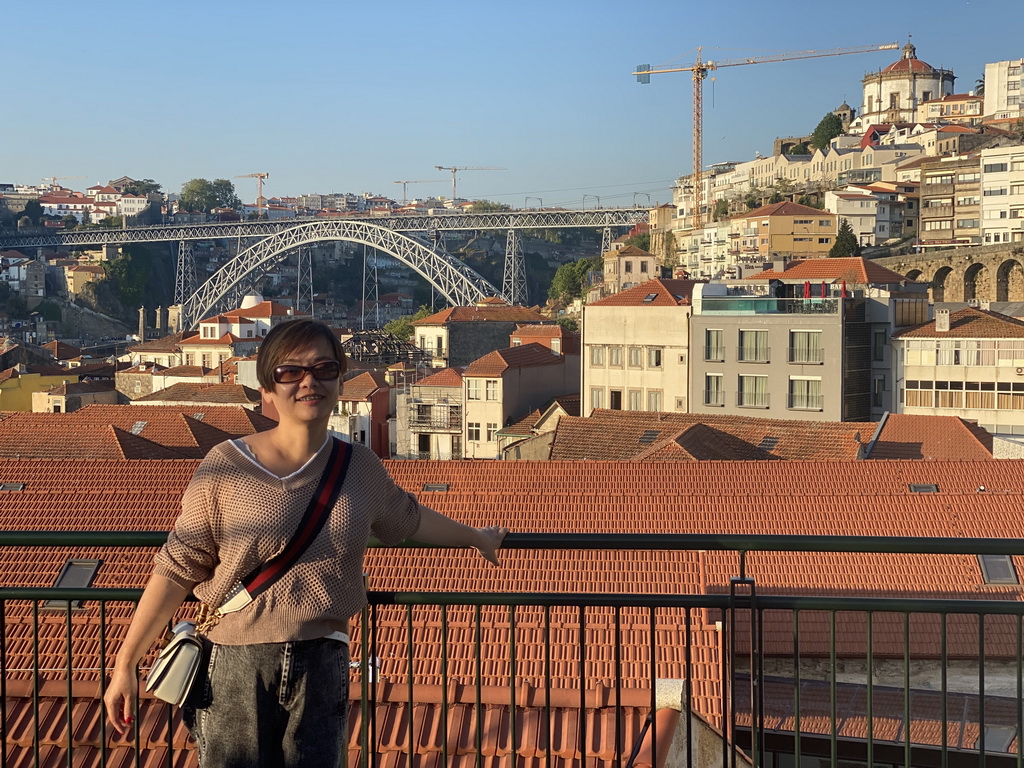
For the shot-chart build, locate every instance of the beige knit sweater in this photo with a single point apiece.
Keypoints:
(236, 515)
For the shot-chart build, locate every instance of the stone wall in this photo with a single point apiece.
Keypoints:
(981, 273)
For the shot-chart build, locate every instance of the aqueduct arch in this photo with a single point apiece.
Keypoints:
(939, 283)
(976, 282)
(1009, 280)
(459, 284)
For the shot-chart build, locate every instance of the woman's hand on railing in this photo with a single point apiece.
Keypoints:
(489, 541)
(120, 698)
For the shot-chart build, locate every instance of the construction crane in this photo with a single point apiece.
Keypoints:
(700, 71)
(259, 189)
(405, 197)
(54, 179)
(457, 168)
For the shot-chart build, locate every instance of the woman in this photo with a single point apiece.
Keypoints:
(278, 672)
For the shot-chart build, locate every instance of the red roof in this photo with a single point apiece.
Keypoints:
(909, 65)
(936, 438)
(447, 377)
(363, 386)
(654, 293)
(855, 270)
(785, 208)
(492, 313)
(527, 356)
(185, 392)
(968, 323)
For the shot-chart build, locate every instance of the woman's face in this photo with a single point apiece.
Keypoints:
(309, 399)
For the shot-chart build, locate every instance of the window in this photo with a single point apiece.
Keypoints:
(967, 223)
(76, 574)
(654, 400)
(473, 431)
(714, 345)
(636, 357)
(805, 394)
(628, 267)
(805, 347)
(879, 341)
(714, 391)
(654, 357)
(472, 389)
(615, 399)
(878, 392)
(596, 397)
(517, 342)
(643, 266)
(803, 221)
(931, 226)
(635, 397)
(492, 430)
(824, 240)
(753, 347)
(995, 167)
(615, 356)
(753, 392)
(440, 344)
(491, 389)
(824, 223)
(597, 356)
(998, 569)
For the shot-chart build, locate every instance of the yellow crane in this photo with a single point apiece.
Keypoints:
(259, 189)
(700, 69)
(455, 169)
(405, 197)
(54, 179)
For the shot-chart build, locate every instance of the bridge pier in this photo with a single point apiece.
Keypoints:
(514, 283)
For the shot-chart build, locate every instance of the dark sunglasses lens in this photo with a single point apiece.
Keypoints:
(286, 374)
(326, 371)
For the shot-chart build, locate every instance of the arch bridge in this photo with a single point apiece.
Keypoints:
(410, 239)
(975, 274)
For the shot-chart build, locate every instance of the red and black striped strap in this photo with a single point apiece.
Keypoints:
(319, 509)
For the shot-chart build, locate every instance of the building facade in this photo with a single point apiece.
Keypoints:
(893, 94)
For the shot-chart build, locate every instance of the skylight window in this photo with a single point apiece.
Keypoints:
(138, 426)
(998, 738)
(998, 569)
(76, 574)
(649, 436)
(650, 297)
(12, 486)
(435, 487)
(199, 416)
(924, 487)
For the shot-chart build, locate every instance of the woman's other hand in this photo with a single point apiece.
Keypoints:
(120, 698)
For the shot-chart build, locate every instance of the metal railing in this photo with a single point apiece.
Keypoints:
(856, 693)
(807, 355)
(806, 402)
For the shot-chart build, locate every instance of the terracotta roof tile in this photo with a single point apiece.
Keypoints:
(364, 385)
(654, 293)
(163, 344)
(61, 350)
(854, 270)
(968, 323)
(784, 209)
(187, 370)
(527, 356)
(47, 438)
(186, 392)
(906, 436)
(447, 377)
(486, 313)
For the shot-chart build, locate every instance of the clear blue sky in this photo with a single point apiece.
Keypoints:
(350, 96)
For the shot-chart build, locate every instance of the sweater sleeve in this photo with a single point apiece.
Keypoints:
(397, 513)
(190, 553)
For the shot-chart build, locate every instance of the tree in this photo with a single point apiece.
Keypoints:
(402, 326)
(489, 206)
(800, 149)
(721, 210)
(829, 127)
(34, 211)
(979, 86)
(203, 195)
(641, 241)
(570, 324)
(143, 187)
(17, 307)
(572, 279)
(70, 221)
(846, 242)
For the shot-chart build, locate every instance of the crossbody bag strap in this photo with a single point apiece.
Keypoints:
(313, 521)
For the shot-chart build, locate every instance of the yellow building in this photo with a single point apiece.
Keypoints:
(80, 274)
(17, 385)
(786, 229)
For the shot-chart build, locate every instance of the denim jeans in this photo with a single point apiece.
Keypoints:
(273, 704)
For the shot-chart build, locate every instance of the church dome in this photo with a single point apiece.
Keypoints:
(909, 62)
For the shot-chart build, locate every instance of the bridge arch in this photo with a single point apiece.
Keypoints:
(914, 274)
(976, 282)
(459, 284)
(939, 281)
(1010, 281)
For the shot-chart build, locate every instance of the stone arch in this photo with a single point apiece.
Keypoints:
(914, 274)
(939, 281)
(976, 282)
(459, 284)
(1010, 281)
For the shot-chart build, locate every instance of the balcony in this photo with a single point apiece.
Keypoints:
(790, 677)
(807, 355)
(806, 402)
(766, 305)
(714, 354)
(753, 354)
(714, 397)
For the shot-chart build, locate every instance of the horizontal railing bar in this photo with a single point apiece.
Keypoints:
(632, 541)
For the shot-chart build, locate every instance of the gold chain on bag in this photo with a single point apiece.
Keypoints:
(206, 619)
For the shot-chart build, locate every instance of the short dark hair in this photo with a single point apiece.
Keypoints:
(287, 337)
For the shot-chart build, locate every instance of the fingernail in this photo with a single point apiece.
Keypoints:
(128, 720)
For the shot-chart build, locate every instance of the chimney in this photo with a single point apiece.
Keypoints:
(142, 323)
(942, 321)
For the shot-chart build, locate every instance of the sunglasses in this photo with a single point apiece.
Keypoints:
(289, 374)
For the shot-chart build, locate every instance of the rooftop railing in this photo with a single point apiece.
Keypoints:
(564, 678)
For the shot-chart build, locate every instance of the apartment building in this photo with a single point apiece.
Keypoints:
(804, 340)
(1004, 86)
(968, 363)
(459, 335)
(636, 349)
(961, 108)
(787, 229)
(429, 416)
(951, 202)
(625, 267)
(860, 209)
(1002, 195)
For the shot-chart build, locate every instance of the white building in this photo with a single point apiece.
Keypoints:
(1003, 89)
(893, 94)
(1002, 195)
(860, 209)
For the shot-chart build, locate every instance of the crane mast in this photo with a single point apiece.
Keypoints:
(456, 168)
(699, 71)
(259, 189)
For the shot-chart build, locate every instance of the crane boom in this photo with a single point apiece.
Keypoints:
(259, 189)
(700, 69)
(405, 197)
(456, 168)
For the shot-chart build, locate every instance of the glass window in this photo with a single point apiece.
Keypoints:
(714, 390)
(492, 430)
(615, 399)
(805, 347)
(597, 355)
(615, 356)
(879, 341)
(654, 400)
(654, 357)
(472, 389)
(635, 396)
(492, 389)
(473, 431)
(805, 394)
(629, 267)
(714, 344)
(596, 397)
(753, 392)
(636, 357)
(753, 347)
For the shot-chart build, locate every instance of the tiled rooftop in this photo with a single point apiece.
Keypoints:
(527, 356)
(361, 387)
(486, 313)
(968, 323)
(653, 293)
(186, 392)
(854, 270)
(785, 208)
(906, 436)
(447, 377)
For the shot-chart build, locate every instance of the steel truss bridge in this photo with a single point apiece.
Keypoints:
(410, 239)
